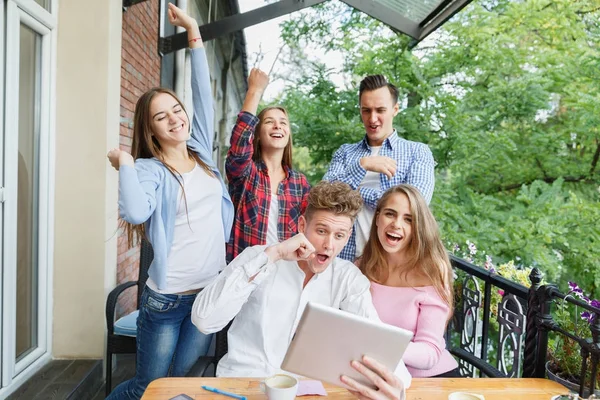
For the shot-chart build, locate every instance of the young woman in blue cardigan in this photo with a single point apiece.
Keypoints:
(171, 191)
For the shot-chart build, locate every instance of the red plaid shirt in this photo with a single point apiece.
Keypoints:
(250, 190)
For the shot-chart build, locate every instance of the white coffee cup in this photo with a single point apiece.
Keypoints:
(280, 387)
(465, 396)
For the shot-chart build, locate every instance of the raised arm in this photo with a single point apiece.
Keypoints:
(257, 83)
(202, 130)
(421, 172)
(239, 156)
(223, 299)
(425, 349)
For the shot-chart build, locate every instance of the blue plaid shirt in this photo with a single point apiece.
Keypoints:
(414, 166)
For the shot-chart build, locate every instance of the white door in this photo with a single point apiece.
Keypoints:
(25, 158)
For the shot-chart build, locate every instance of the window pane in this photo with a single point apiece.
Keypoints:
(415, 10)
(44, 3)
(27, 204)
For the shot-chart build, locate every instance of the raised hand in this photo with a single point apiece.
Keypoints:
(178, 17)
(257, 80)
(294, 249)
(389, 387)
(382, 164)
(119, 157)
(257, 83)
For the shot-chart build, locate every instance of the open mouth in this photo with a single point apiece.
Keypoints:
(176, 129)
(277, 135)
(393, 238)
(322, 258)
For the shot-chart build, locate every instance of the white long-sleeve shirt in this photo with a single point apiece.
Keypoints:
(268, 308)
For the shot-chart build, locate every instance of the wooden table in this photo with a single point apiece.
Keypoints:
(421, 388)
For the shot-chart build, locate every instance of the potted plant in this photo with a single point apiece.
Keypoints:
(564, 354)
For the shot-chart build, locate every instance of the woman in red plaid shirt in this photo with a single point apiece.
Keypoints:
(268, 195)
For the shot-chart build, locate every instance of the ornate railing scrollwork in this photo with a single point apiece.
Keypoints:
(511, 319)
(491, 342)
(471, 328)
(514, 341)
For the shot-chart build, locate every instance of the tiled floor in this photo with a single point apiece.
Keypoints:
(65, 379)
(125, 369)
(57, 380)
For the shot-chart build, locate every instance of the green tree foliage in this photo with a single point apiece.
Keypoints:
(506, 94)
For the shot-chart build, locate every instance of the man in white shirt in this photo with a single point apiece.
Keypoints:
(267, 288)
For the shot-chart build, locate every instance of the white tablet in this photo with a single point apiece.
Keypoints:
(327, 340)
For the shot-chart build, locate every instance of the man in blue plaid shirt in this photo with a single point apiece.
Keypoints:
(379, 161)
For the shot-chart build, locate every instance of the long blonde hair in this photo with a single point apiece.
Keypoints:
(145, 145)
(425, 250)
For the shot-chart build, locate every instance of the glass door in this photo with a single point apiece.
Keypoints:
(25, 180)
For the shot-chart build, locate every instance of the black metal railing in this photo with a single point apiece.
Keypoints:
(503, 329)
(485, 329)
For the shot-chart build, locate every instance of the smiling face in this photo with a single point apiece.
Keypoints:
(377, 110)
(169, 122)
(394, 224)
(328, 233)
(274, 130)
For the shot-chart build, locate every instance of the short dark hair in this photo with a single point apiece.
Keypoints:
(374, 82)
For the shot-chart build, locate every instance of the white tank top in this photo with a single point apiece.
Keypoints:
(197, 253)
(272, 237)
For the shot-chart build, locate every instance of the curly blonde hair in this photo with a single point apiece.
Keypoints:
(336, 197)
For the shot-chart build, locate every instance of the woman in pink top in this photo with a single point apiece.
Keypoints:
(411, 278)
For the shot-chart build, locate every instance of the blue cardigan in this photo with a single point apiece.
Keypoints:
(148, 192)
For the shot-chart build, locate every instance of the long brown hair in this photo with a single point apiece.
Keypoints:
(145, 145)
(287, 151)
(425, 250)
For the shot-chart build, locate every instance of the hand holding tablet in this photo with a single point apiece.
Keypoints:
(327, 340)
(387, 385)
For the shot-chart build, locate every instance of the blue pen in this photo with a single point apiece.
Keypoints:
(224, 393)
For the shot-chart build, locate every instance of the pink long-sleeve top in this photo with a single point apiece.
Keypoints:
(422, 311)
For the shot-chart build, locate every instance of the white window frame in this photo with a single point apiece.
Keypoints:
(43, 22)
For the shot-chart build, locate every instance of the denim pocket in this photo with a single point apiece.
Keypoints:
(158, 303)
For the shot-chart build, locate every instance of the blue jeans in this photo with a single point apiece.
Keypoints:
(168, 344)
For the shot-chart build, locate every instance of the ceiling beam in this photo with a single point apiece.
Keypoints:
(236, 23)
(441, 17)
(129, 3)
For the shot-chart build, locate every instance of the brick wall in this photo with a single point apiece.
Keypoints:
(140, 71)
